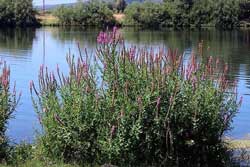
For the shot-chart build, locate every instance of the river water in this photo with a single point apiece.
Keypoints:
(26, 49)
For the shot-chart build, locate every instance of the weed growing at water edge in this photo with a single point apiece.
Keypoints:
(133, 106)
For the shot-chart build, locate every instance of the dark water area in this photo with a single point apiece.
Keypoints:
(26, 49)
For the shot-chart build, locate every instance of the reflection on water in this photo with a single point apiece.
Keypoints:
(25, 50)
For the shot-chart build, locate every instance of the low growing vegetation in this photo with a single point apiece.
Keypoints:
(132, 106)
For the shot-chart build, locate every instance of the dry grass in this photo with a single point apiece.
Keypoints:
(239, 144)
(47, 19)
(119, 17)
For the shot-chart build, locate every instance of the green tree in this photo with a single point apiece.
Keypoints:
(6, 12)
(17, 13)
(226, 14)
(201, 12)
(148, 14)
(120, 5)
(24, 13)
(245, 10)
(94, 13)
(181, 12)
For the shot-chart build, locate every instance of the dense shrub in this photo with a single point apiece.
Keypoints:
(129, 106)
(181, 12)
(17, 13)
(244, 10)
(6, 12)
(201, 12)
(8, 103)
(226, 13)
(184, 13)
(94, 13)
(19, 154)
(147, 14)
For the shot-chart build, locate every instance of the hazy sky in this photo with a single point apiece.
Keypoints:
(52, 2)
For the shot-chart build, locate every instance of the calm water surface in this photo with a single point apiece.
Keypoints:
(25, 50)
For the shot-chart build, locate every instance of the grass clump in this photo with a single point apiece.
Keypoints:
(26, 155)
(132, 106)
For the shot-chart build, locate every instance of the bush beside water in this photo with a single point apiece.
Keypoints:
(132, 106)
(94, 13)
(17, 13)
(184, 13)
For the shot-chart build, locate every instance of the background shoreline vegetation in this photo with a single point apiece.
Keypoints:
(224, 14)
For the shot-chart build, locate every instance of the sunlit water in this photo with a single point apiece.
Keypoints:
(25, 50)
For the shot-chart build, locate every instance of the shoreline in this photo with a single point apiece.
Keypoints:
(50, 20)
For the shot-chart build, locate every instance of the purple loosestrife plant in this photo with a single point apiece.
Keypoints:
(132, 106)
(68, 109)
(8, 103)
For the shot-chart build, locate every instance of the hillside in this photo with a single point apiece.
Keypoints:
(50, 7)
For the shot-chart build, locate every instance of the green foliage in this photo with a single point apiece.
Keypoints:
(17, 13)
(24, 13)
(6, 14)
(245, 10)
(226, 13)
(201, 12)
(19, 154)
(181, 14)
(26, 155)
(184, 13)
(133, 107)
(147, 14)
(94, 13)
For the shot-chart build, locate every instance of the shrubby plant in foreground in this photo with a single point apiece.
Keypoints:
(134, 106)
(8, 103)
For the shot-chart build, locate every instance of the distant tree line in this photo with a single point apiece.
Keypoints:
(17, 13)
(225, 14)
(184, 13)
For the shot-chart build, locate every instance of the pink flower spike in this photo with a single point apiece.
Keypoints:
(241, 100)
(20, 94)
(57, 68)
(171, 99)
(158, 103)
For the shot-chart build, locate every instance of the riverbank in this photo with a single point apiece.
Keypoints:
(48, 19)
(239, 144)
